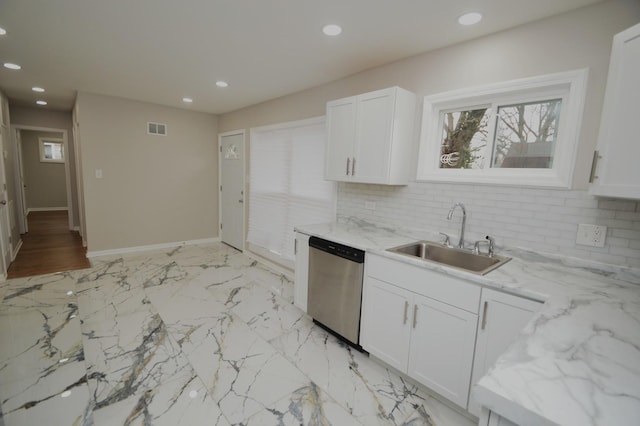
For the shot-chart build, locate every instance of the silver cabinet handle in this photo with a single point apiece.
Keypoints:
(484, 315)
(406, 309)
(594, 166)
(415, 315)
(348, 163)
(353, 167)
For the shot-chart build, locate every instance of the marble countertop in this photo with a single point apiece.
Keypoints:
(576, 362)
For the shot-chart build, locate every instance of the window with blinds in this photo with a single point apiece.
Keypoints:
(286, 184)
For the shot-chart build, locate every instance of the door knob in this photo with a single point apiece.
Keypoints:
(3, 202)
(241, 201)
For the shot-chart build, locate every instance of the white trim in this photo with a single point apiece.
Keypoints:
(3, 278)
(46, 209)
(289, 124)
(244, 183)
(125, 250)
(16, 249)
(16, 171)
(572, 83)
(76, 229)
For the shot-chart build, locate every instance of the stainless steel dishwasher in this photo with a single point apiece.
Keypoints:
(335, 287)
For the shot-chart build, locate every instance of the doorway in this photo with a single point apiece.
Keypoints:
(231, 166)
(43, 207)
(43, 181)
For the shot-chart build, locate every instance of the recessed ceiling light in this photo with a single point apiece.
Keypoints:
(221, 83)
(187, 100)
(44, 103)
(332, 30)
(469, 18)
(193, 394)
(12, 66)
(37, 89)
(3, 31)
(63, 360)
(66, 394)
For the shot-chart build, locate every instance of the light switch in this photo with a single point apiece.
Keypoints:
(98, 173)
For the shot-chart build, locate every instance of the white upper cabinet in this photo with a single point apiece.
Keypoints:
(615, 172)
(370, 137)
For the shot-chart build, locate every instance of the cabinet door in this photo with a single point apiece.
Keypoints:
(441, 353)
(341, 136)
(384, 328)
(374, 122)
(301, 272)
(502, 317)
(617, 171)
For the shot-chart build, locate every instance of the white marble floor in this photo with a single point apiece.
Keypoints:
(199, 335)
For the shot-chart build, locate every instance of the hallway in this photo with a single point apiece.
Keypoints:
(48, 247)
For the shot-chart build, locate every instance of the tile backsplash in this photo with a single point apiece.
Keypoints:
(544, 220)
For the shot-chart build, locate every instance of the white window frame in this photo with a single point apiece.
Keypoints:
(43, 159)
(281, 250)
(569, 86)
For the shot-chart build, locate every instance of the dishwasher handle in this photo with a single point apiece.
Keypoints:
(336, 249)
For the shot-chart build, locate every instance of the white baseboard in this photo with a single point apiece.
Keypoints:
(16, 250)
(76, 228)
(126, 250)
(46, 209)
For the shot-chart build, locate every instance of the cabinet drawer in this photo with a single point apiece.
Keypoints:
(438, 286)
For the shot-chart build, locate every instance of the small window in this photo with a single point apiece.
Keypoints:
(522, 132)
(51, 150)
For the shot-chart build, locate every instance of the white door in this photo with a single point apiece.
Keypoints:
(5, 229)
(232, 188)
(503, 316)
(22, 206)
(385, 327)
(441, 353)
(373, 136)
(341, 134)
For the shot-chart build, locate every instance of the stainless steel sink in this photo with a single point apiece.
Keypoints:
(461, 259)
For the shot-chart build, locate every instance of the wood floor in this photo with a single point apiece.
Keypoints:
(48, 247)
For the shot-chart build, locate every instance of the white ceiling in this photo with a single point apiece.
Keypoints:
(163, 50)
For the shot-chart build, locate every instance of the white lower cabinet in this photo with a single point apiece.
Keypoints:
(491, 418)
(301, 283)
(502, 317)
(441, 350)
(410, 321)
(384, 329)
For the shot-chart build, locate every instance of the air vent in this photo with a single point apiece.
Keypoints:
(157, 129)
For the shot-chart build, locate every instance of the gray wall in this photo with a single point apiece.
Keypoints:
(154, 189)
(46, 184)
(36, 117)
(578, 39)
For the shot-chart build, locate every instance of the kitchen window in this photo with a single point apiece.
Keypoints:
(521, 132)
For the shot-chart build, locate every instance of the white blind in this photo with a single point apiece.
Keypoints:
(286, 184)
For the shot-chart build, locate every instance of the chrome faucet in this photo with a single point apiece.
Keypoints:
(464, 221)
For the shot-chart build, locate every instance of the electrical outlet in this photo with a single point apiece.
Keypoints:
(591, 235)
(369, 205)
